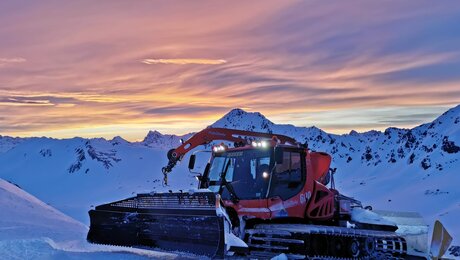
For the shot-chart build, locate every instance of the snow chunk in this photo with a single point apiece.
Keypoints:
(366, 216)
(280, 257)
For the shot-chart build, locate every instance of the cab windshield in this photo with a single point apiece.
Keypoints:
(246, 171)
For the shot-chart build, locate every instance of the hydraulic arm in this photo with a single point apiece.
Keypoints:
(206, 136)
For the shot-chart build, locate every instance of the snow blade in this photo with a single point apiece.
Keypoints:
(440, 242)
(412, 227)
(185, 222)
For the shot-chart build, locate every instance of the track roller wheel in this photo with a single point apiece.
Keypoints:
(338, 246)
(368, 246)
(320, 245)
(353, 248)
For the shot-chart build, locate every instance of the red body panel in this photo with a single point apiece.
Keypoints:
(322, 204)
(320, 163)
(250, 208)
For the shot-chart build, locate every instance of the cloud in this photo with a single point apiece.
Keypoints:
(288, 60)
(184, 61)
(5, 61)
(20, 101)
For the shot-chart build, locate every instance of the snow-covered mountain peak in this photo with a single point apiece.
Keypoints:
(395, 131)
(353, 133)
(118, 140)
(152, 134)
(7, 143)
(152, 137)
(448, 123)
(237, 112)
(156, 139)
(240, 119)
(371, 133)
(453, 112)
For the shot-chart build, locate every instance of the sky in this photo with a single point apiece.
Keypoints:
(107, 68)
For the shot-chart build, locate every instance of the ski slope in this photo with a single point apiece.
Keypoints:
(31, 229)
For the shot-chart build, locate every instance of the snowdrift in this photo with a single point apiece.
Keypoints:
(31, 229)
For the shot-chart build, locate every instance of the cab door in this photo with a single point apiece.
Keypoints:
(286, 185)
(259, 168)
(250, 179)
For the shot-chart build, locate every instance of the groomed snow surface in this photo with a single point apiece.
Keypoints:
(398, 169)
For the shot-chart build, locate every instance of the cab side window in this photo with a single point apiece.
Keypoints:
(287, 178)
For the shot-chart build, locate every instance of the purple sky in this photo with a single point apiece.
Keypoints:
(106, 68)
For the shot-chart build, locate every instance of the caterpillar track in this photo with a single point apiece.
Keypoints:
(301, 241)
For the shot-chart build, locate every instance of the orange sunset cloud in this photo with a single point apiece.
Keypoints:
(126, 69)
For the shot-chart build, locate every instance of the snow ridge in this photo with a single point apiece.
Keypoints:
(155, 139)
(429, 145)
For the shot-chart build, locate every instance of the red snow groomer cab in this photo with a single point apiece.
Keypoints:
(262, 196)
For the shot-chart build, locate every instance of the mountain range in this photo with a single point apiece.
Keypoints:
(396, 169)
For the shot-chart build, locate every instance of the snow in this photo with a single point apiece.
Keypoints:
(366, 216)
(397, 169)
(23, 215)
(31, 229)
(156, 139)
(6, 143)
(44, 248)
(280, 257)
(75, 174)
(232, 240)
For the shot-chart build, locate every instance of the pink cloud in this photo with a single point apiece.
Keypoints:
(279, 58)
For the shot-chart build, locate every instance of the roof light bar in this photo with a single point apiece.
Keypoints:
(260, 144)
(219, 148)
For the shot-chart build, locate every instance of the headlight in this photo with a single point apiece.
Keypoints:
(260, 144)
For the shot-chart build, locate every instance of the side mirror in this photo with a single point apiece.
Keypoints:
(191, 162)
(278, 155)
